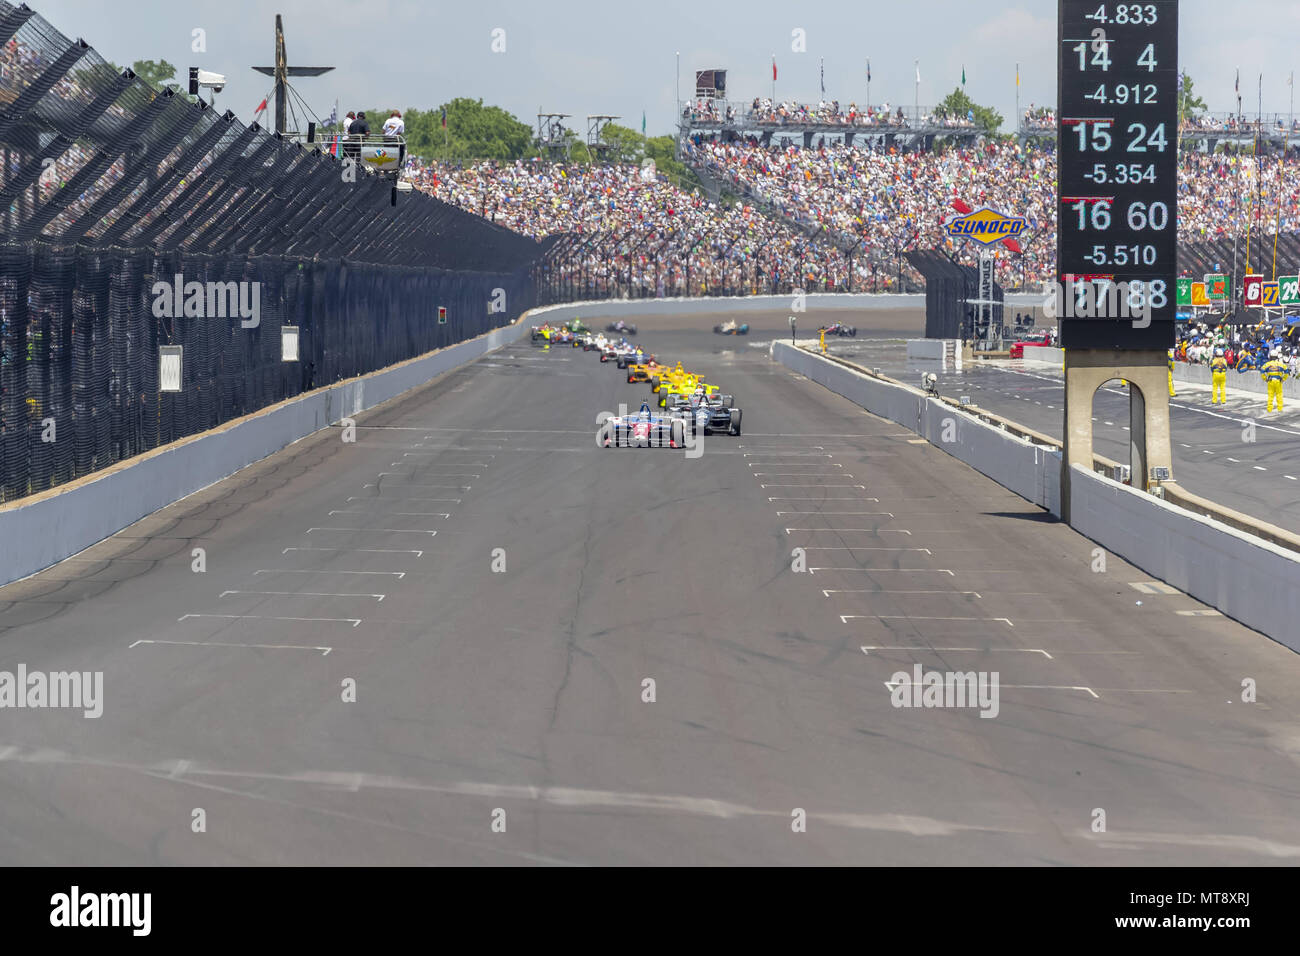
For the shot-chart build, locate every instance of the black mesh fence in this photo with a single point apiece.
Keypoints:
(133, 218)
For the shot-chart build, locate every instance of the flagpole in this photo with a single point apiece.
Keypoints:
(678, 116)
(868, 82)
(774, 81)
(1018, 94)
(918, 93)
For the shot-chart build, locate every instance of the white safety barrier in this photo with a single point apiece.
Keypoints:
(1248, 579)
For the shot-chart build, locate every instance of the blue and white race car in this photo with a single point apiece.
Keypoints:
(645, 429)
(706, 414)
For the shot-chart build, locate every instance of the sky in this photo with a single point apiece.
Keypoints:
(587, 56)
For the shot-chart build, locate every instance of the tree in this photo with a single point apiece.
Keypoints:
(626, 145)
(154, 72)
(959, 104)
(1189, 104)
(663, 150)
(474, 131)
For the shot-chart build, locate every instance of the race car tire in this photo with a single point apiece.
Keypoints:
(606, 437)
(735, 421)
(853, 333)
(677, 432)
(604, 357)
(654, 384)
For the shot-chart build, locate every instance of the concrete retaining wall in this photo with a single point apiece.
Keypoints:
(1248, 579)
(60, 523)
(723, 307)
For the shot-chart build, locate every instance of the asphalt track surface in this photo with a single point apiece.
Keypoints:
(1238, 454)
(523, 690)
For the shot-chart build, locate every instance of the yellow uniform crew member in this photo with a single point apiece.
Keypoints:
(1274, 373)
(1219, 378)
(1171, 373)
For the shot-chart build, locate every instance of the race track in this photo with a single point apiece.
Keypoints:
(521, 690)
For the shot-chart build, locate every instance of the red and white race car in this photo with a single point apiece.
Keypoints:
(645, 429)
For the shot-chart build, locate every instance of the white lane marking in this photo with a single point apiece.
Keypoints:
(801, 474)
(418, 554)
(1289, 477)
(453, 451)
(845, 618)
(354, 621)
(1089, 690)
(411, 484)
(925, 550)
(863, 487)
(1234, 461)
(1260, 468)
(381, 530)
(888, 514)
(828, 593)
(398, 514)
(273, 647)
(1201, 613)
(405, 474)
(377, 597)
(379, 498)
(396, 574)
(867, 648)
(890, 570)
(847, 530)
(805, 498)
(1152, 587)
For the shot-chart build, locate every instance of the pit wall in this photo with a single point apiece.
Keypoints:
(1240, 574)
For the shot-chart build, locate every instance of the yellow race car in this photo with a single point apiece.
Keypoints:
(644, 372)
(685, 387)
(668, 375)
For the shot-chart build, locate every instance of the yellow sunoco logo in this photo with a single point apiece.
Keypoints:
(986, 226)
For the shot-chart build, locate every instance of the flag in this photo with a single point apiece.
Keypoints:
(868, 69)
(643, 122)
(1237, 86)
(1017, 74)
(260, 108)
(444, 117)
(773, 69)
(918, 72)
(963, 74)
(823, 78)
(333, 117)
